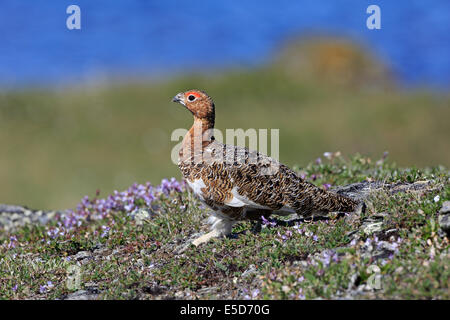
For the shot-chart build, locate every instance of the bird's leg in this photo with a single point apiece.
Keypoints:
(255, 216)
(256, 226)
(219, 228)
(206, 237)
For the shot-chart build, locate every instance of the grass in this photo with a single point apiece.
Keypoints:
(333, 258)
(58, 145)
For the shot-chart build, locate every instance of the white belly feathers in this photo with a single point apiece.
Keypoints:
(197, 186)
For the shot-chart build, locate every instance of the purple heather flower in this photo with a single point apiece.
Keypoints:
(272, 275)
(328, 155)
(95, 209)
(267, 222)
(12, 242)
(315, 238)
(246, 297)
(48, 285)
(318, 160)
(129, 207)
(14, 288)
(299, 230)
(326, 186)
(300, 295)
(85, 202)
(327, 256)
(169, 185)
(335, 258)
(105, 231)
(255, 293)
(283, 237)
(394, 246)
(53, 233)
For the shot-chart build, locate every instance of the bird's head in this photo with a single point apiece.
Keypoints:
(197, 102)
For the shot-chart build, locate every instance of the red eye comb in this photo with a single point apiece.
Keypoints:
(196, 94)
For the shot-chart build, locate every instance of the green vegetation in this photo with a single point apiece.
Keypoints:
(337, 257)
(58, 145)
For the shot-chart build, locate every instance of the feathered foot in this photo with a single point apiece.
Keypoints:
(206, 237)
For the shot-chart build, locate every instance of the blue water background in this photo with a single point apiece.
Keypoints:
(159, 38)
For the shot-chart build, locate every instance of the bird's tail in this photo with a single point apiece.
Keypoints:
(345, 204)
(333, 202)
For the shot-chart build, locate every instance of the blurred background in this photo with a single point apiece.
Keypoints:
(89, 109)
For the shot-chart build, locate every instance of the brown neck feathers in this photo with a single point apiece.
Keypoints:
(198, 137)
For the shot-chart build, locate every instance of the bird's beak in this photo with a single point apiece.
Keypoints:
(179, 98)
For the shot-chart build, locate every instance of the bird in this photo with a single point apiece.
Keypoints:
(238, 184)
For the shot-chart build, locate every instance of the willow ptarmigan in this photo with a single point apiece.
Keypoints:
(239, 184)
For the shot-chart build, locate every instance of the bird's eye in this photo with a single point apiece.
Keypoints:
(191, 97)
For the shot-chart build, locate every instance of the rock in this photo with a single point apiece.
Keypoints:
(154, 289)
(207, 290)
(444, 219)
(140, 263)
(51, 214)
(82, 255)
(140, 215)
(379, 250)
(43, 220)
(26, 220)
(82, 295)
(445, 208)
(251, 270)
(11, 209)
(372, 227)
(15, 216)
(92, 287)
(444, 224)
